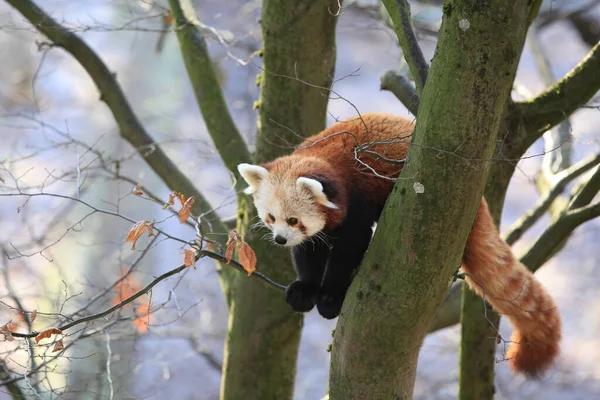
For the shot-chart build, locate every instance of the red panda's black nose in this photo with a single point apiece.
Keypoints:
(280, 240)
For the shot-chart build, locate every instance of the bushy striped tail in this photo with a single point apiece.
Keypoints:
(495, 274)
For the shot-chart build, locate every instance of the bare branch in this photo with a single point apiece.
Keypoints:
(399, 11)
(130, 127)
(556, 233)
(402, 88)
(148, 287)
(586, 192)
(14, 389)
(560, 100)
(559, 137)
(224, 133)
(562, 179)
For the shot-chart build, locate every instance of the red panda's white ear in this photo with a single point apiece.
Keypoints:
(316, 189)
(253, 175)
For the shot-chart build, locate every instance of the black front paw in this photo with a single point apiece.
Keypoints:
(329, 303)
(301, 296)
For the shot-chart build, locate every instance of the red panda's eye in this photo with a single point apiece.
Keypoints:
(270, 218)
(292, 221)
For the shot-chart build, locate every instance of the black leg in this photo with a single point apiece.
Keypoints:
(309, 261)
(347, 253)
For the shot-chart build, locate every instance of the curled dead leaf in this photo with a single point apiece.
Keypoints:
(186, 210)
(151, 229)
(136, 232)
(229, 251)
(58, 346)
(137, 190)
(33, 316)
(5, 330)
(247, 258)
(170, 202)
(181, 197)
(47, 333)
(189, 258)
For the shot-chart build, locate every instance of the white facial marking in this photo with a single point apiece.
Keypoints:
(253, 175)
(316, 188)
(284, 200)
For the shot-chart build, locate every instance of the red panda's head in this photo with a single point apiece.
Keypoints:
(295, 197)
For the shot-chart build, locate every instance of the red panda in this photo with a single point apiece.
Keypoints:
(322, 202)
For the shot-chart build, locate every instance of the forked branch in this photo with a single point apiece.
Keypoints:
(130, 127)
(560, 100)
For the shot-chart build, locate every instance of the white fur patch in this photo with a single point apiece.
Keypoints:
(316, 189)
(285, 199)
(253, 175)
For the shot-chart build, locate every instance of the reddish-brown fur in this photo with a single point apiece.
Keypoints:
(514, 292)
(491, 267)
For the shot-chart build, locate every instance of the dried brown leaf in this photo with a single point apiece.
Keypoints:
(47, 333)
(247, 258)
(167, 19)
(151, 229)
(137, 190)
(210, 246)
(33, 316)
(142, 322)
(186, 210)
(136, 232)
(171, 201)
(5, 330)
(189, 258)
(181, 197)
(58, 346)
(1, 179)
(229, 251)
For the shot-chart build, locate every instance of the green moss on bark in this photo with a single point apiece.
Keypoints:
(377, 340)
(298, 64)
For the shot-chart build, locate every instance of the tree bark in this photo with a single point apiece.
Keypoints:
(298, 64)
(407, 269)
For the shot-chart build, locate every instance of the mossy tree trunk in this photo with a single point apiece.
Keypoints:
(408, 267)
(298, 65)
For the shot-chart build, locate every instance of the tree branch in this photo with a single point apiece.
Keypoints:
(402, 88)
(562, 179)
(199, 254)
(587, 191)
(222, 129)
(560, 230)
(574, 90)
(15, 391)
(399, 11)
(130, 127)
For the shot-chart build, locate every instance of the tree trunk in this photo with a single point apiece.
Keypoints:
(412, 257)
(479, 322)
(298, 65)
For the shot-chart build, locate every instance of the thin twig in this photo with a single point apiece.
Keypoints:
(562, 179)
(111, 93)
(147, 288)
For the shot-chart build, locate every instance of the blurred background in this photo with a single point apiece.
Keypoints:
(58, 254)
